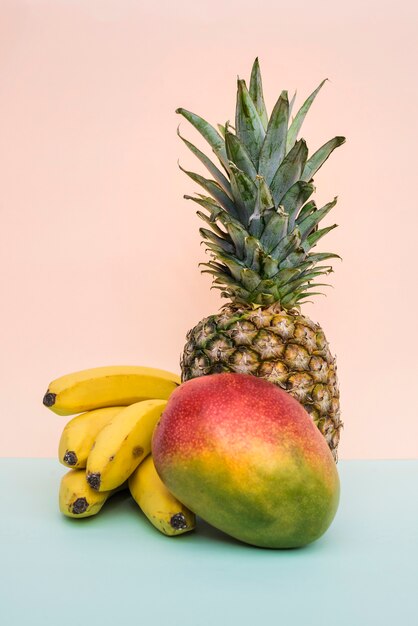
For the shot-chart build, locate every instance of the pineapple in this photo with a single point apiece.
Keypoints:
(261, 229)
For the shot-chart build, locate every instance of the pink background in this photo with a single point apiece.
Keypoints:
(99, 251)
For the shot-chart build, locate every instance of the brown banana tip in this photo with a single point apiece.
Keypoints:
(49, 398)
(94, 480)
(178, 521)
(80, 506)
(70, 458)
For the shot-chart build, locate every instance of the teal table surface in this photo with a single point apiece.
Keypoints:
(116, 569)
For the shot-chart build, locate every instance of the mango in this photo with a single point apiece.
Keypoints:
(246, 457)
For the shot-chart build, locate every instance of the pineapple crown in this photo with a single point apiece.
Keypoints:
(262, 225)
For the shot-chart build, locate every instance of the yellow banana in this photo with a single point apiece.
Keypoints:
(108, 386)
(77, 498)
(163, 510)
(79, 434)
(122, 444)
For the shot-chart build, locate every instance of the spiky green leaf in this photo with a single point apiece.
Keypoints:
(231, 288)
(244, 192)
(208, 132)
(289, 171)
(266, 293)
(233, 265)
(269, 266)
(313, 239)
(252, 253)
(293, 199)
(274, 232)
(227, 280)
(212, 247)
(303, 280)
(294, 297)
(294, 259)
(250, 279)
(249, 128)
(215, 191)
(299, 118)
(264, 202)
(322, 256)
(226, 219)
(284, 276)
(291, 103)
(221, 129)
(266, 298)
(274, 145)
(238, 154)
(213, 271)
(207, 203)
(212, 224)
(238, 236)
(288, 244)
(256, 93)
(288, 302)
(214, 265)
(216, 239)
(302, 296)
(307, 225)
(210, 166)
(306, 210)
(319, 157)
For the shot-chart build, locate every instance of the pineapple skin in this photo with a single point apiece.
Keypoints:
(281, 346)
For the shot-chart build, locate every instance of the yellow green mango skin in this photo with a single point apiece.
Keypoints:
(246, 457)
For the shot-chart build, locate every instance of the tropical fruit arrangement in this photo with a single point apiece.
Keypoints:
(247, 438)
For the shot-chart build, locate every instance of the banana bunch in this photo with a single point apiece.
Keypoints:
(107, 444)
